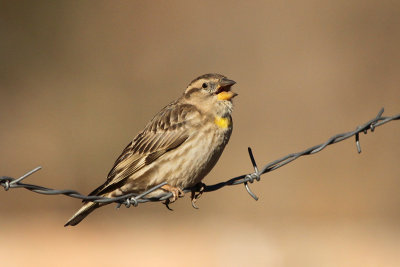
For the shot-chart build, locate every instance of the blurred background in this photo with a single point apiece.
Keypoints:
(78, 80)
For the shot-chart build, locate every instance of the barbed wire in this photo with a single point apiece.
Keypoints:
(135, 199)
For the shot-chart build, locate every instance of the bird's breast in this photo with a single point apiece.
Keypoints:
(189, 163)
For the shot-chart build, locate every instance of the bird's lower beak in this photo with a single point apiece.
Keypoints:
(226, 95)
(224, 90)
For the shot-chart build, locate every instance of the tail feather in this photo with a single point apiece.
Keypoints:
(82, 213)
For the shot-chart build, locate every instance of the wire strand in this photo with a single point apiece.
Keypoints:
(135, 199)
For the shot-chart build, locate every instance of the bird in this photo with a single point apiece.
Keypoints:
(180, 145)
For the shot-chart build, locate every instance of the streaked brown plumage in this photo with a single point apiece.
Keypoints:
(180, 145)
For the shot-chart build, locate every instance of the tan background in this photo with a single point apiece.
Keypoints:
(79, 80)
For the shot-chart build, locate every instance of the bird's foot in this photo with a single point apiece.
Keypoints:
(197, 191)
(176, 193)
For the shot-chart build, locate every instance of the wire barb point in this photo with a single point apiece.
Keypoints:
(358, 143)
(246, 185)
(16, 181)
(250, 177)
(127, 203)
(6, 185)
(372, 127)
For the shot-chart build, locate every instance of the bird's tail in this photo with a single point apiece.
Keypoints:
(82, 213)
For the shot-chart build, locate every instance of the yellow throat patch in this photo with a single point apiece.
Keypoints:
(222, 122)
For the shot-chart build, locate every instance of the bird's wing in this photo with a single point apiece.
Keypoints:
(166, 131)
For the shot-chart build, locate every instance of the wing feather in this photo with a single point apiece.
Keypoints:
(166, 131)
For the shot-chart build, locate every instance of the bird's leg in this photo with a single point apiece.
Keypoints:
(197, 191)
(176, 192)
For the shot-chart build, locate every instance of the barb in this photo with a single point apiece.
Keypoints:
(135, 199)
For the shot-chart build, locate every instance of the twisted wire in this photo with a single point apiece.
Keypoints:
(135, 199)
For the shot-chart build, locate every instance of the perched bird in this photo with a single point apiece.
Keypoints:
(180, 145)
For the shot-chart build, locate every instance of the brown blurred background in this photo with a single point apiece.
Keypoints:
(79, 80)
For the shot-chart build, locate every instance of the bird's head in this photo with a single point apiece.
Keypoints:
(212, 91)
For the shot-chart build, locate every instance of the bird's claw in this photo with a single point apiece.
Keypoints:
(176, 193)
(197, 191)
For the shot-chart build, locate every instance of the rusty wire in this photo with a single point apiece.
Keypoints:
(135, 199)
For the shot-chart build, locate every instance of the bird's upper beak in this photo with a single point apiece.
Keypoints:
(224, 90)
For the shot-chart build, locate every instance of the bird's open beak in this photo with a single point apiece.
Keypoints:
(224, 90)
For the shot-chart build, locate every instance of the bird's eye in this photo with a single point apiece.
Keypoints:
(204, 85)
